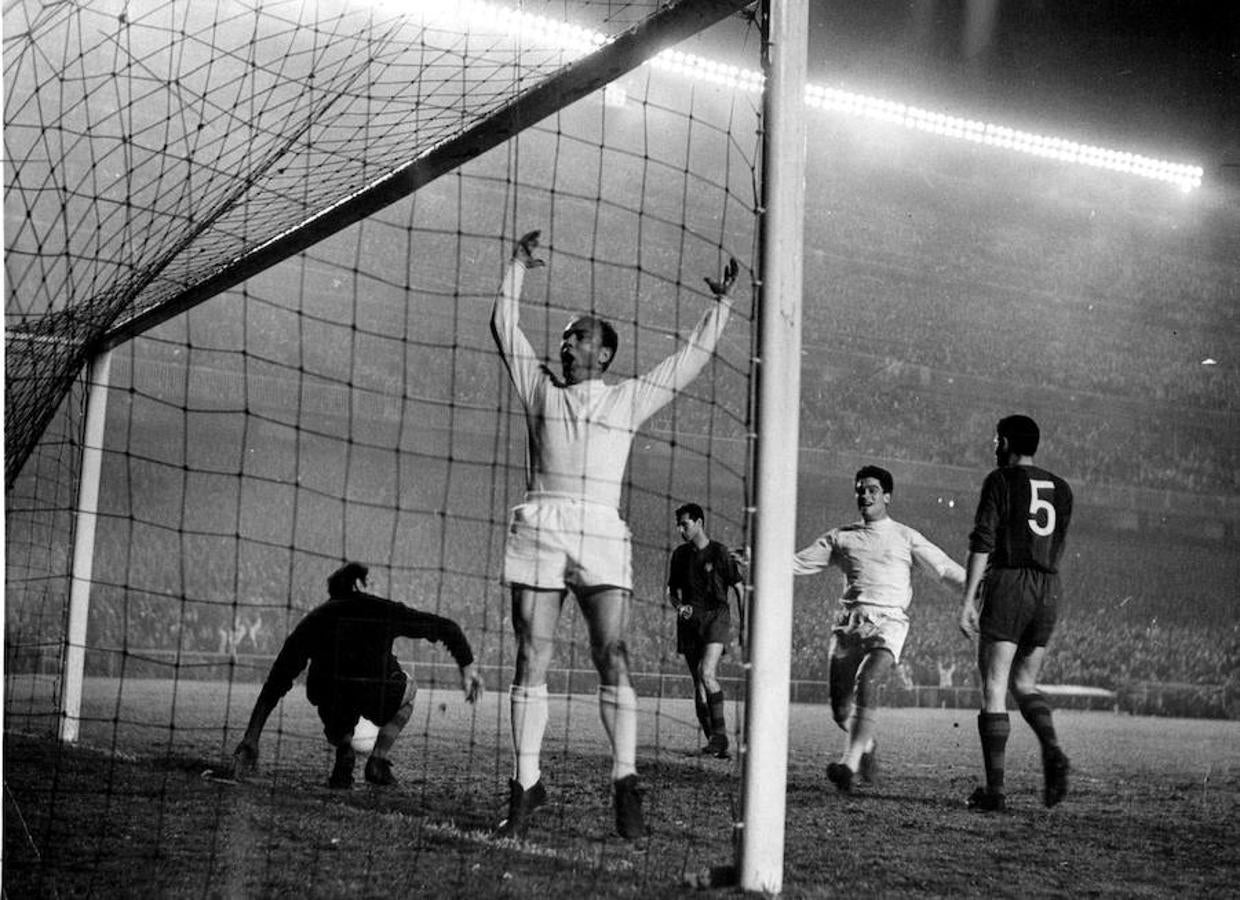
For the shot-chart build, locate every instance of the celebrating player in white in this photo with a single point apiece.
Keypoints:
(568, 535)
(876, 556)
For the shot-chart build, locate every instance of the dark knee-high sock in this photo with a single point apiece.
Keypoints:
(718, 724)
(702, 707)
(994, 728)
(1037, 712)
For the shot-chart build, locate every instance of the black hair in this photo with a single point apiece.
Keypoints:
(343, 581)
(1021, 433)
(610, 339)
(881, 475)
(692, 510)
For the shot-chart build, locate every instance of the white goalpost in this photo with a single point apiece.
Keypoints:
(761, 842)
(86, 517)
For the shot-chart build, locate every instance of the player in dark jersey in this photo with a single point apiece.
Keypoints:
(1011, 600)
(701, 575)
(347, 642)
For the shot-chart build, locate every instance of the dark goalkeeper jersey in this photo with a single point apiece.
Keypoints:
(348, 642)
(1022, 518)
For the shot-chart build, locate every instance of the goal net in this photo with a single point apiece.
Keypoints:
(283, 225)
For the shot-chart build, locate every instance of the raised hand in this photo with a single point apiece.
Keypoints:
(524, 252)
(723, 287)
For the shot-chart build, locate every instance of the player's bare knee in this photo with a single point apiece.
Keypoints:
(611, 659)
(1023, 688)
(535, 653)
(841, 713)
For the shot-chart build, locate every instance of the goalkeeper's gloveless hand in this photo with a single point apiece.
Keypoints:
(245, 760)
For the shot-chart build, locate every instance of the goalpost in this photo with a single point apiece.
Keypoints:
(778, 415)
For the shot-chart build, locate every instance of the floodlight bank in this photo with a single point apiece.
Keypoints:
(575, 40)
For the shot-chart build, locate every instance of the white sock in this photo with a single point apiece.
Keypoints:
(617, 707)
(529, 721)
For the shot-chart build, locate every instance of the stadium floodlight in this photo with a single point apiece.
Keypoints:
(1186, 177)
(575, 41)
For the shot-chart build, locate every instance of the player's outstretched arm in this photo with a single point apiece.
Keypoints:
(471, 683)
(245, 757)
(657, 387)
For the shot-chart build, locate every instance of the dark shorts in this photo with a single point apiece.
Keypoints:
(706, 626)
(346, 702)
(1019, 606)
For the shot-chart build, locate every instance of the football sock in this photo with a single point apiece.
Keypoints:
(718, 722)
(860, 735)
(1037, 712)
(617, 707)
(994, 728)
(703, 712)
(529, 722)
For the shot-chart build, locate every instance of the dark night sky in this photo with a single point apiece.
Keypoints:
(1153, 76)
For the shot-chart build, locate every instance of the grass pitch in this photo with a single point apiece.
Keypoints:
(1153, 809)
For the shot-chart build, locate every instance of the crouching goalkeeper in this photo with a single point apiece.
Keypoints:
(347, 642)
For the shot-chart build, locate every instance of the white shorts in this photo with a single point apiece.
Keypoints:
(871, 628)
(557, 543)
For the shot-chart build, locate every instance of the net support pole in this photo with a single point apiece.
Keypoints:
(82, 575)
(761, 844)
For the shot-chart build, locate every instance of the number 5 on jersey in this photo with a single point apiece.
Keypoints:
(1038, 507)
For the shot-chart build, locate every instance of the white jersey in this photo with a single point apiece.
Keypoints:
(877, 559)
(580, 435)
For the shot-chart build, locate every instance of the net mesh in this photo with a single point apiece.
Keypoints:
(153, 147)
(346, 402)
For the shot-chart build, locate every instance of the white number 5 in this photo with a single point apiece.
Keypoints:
(1037, 505)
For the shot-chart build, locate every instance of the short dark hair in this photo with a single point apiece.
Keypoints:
(692, 510)
(881, 475)
(342, 582)
(1021, 433)
(610, 339)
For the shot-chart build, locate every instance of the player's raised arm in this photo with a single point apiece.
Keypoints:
(515, 349)
(657, 387)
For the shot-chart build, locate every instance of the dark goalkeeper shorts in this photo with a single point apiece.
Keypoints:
(706, 626)
(349, 701)
(1019, 606)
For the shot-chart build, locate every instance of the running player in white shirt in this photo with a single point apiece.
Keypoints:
(877, 556)
(568, 534)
